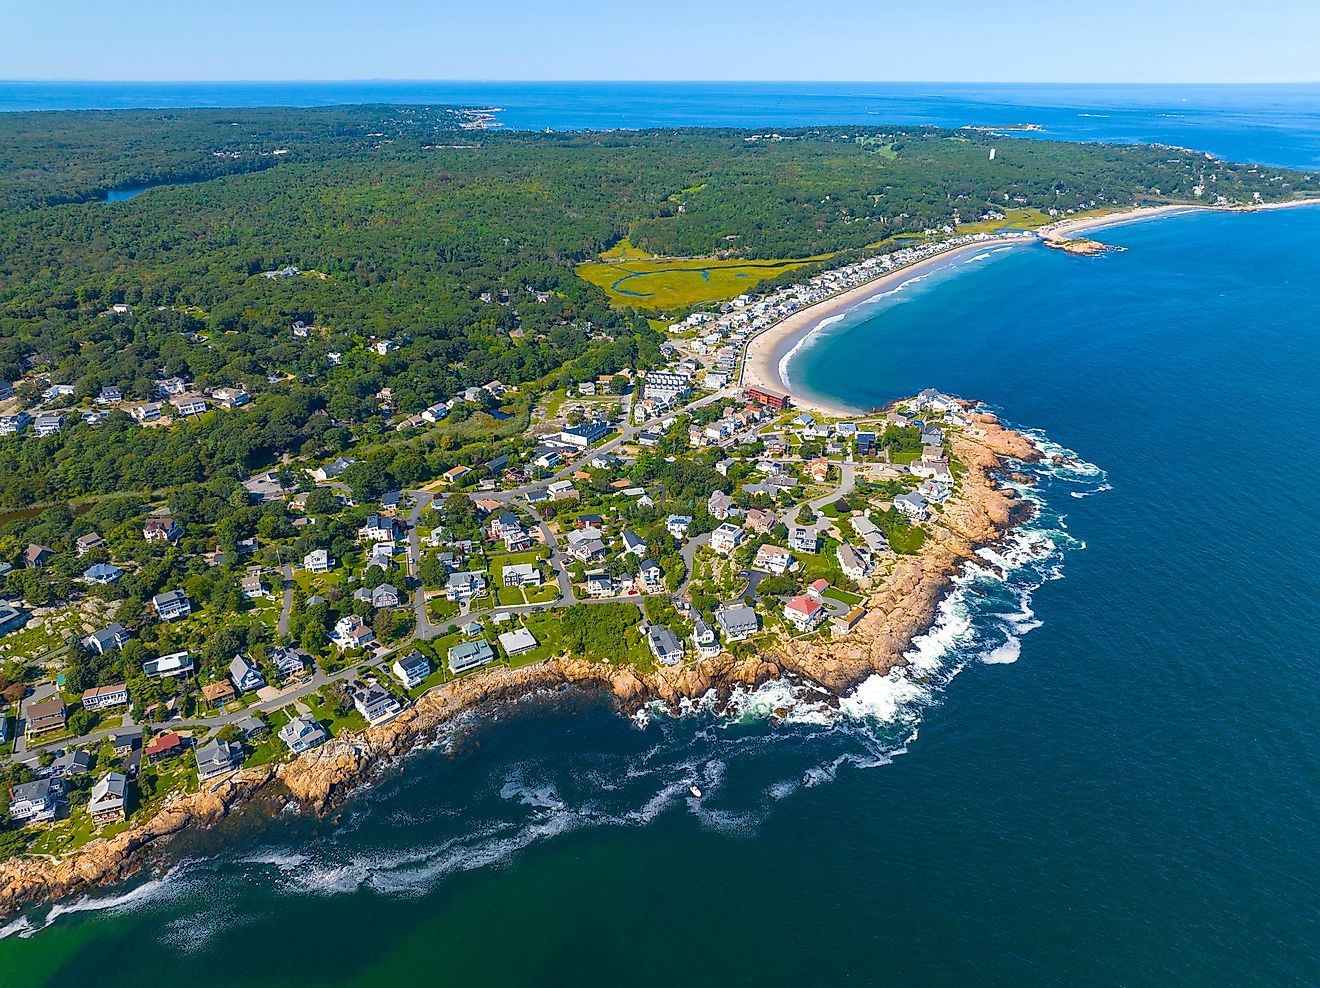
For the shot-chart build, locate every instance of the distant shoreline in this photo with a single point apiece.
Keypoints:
(767, 353)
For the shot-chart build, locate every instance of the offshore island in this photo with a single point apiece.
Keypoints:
(275, 514)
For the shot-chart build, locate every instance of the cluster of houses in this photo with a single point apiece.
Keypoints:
(175, 398)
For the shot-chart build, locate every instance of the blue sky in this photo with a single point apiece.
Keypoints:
(918, 40)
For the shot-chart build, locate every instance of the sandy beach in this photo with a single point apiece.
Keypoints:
(766, 351)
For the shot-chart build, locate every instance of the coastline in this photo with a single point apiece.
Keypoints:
(901, 606)
(766, 354)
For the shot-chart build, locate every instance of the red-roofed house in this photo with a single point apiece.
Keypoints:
(804, 613)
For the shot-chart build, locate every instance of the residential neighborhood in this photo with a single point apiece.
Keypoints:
(659, 526)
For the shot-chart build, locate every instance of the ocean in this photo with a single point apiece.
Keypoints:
(1101, 768)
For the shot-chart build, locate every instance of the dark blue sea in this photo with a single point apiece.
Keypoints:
(1102, 768)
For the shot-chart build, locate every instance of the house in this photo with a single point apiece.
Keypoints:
(230, 398)
(854, 565)
(72, 762)
(171, 605)
(254, 586)
(434, 413)
(165, 387)
(802, 540)
(161, 529)
(301, 733)
(411, 669)
(318, 561)
(36, 556)
(704, 639)
(381, 528)
(45, 717)
(911, 504)
(522, 575)
(188, 404)
(584, 547)
(677, 525)
(736, 623)
(665, 645)
(517, 642)
(546, 457)
(288, 662)
(719, 505)
(773, 559)
(842, 624)
(6, 390)
(246, 676)
(600, 584)
(725, 538)
(869, 533)
(163, 746)
(760, 521)
(148, 411)
(386, 595)
(35, 802)
(219, 693)
(507, 527)
(818, 470)
(652, 576)
(106, 804)
(465, 586)
(11, 425)
(109, 638)
(934, 491)
(84, 544)
(123, 742)
(804, 613)
(217, 757)
(351, 633)
(469, 655)
(174, 664)
(100, 697)
(103, 574)
(817, 588)
(455, 474)
(47, 424)
(331, 470)
(633, 544)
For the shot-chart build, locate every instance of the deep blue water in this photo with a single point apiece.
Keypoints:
(1276, 124)
(1107, 773)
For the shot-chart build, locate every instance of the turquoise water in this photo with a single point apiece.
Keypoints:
(1104, 769)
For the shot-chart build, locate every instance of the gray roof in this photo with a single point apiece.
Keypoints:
(736, 620)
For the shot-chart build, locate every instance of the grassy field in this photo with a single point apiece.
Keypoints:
(631, 279)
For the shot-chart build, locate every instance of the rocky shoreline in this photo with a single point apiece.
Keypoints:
(899, 609)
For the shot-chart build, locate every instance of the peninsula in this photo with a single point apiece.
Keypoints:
(318, 427)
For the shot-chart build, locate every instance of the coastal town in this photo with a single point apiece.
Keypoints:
(656, 519)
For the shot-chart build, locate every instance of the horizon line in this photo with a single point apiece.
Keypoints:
(617, 81)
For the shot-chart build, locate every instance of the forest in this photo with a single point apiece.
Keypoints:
(457, 246)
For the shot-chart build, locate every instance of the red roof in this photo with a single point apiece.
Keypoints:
(163, 743)
(820, 586)
(803, 605)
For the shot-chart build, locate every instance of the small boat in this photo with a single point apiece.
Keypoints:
(695, 791)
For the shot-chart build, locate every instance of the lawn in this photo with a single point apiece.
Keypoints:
(843, 596)
(671, 284)
(1014, 219)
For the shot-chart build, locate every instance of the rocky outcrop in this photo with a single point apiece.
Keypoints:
(24, 880)
(901, 607)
